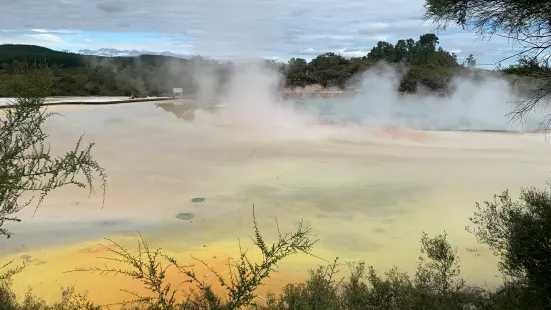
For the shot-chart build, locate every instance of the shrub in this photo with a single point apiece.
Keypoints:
(436, 285)
(26, 165)
(150, 266)
(519, 232)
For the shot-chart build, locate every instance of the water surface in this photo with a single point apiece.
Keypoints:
(367, 193)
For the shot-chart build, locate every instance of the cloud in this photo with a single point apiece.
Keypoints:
(394, 30)
(47, 37)
(60, 31)
(487, 52)
(310, 52)
(118, 52)
(284, 28)
(111, 6)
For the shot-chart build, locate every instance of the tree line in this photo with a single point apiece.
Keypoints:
(427, 64)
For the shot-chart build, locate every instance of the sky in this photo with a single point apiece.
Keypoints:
(277, 29)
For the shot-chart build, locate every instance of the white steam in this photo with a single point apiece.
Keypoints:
(252, 100)
(477, 105)
(251, 95)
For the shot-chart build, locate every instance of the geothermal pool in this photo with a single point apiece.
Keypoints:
(368, 193)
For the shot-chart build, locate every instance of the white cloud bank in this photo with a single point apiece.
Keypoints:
(282, 28)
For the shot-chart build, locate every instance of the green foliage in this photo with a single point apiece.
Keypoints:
(9, 300)
(319, 291)
(519, 232)
(74, 74)
(528, 66)
(440, 269)
(297, 72)
(414, 53)
(245, 276)
(514, 18)
(427, 64)
(13, 55)
(470, 61)
(70, 300)
(148, 268)
(329, 69)
(436, 285)
(26, 165)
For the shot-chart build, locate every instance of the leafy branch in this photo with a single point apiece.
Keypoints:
(26, 164)
(150, 268)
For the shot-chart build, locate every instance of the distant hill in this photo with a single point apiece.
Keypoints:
(80, 74)
(22, 48)
(423, 61)
(32, 53)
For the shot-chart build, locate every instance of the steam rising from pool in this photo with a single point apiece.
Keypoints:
(473, 105)
(252, 100)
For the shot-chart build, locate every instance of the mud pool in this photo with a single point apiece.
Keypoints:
(187, 179)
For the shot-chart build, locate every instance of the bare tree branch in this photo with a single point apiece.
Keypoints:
(524, 23)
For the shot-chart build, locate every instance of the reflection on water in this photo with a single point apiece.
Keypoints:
(186, 109)
(367, 195)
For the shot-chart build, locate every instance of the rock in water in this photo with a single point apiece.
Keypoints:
(185, 216)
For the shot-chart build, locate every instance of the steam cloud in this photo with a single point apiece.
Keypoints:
(473, 105)
(252, 99)
(251, 94)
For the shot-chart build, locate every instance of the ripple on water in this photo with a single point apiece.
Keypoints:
(185, 216)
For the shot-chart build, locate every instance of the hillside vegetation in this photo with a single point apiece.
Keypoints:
(423, 61)
(517, 230)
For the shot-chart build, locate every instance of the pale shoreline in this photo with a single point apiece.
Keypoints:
(55, 101)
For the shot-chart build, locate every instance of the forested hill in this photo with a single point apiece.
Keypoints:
(427, 64)
(13, 53)
(10, 53)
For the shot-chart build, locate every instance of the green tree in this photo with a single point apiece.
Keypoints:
(155, 75)
(330, 69)
(26, 164)
(426, 48)
(428, 41)
(470, 61)
(519, 232)
(382, 51)
(297, 72)
(400, 50)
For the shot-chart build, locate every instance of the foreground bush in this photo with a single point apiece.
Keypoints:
(519, 232)
(10, 301)
(27, 167)
(29, 172)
